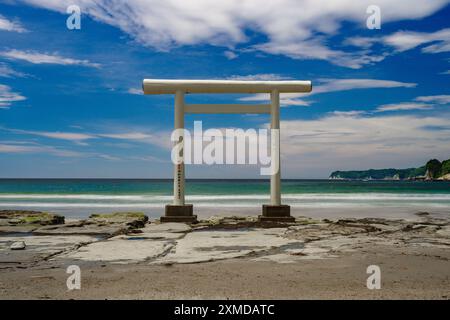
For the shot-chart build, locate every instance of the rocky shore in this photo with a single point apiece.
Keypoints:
(129, 242)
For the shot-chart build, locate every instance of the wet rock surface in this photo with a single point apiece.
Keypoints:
(98, 224)
(21, 221)
(44, 240)
(123, 238)
(38, 248)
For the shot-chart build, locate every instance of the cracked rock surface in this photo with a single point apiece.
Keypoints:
(219, 239)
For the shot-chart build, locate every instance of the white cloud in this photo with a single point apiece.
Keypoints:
(260, 77)
(333, 85)
(161, 139)
(419, 103)
(298, 29)
(135, 91)
(362, 42)
(294, 102)
(315, 49)
(314, 148)
(8, 25)
(439, 99)
(406, 40)
(230, 55)
(109, 157)
(70, 136)
(127, 136)
(150, 158)
(7, 72)
(348, 113)
(7, 97)
(45, 58)
(404, 106)
(24, 148)
(431, 42)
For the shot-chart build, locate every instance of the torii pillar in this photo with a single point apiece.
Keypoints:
(179, 211)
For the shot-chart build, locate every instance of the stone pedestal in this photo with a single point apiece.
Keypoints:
(281, 213)
(179, 213)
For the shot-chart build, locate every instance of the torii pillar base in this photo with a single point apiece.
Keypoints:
(274, 213)
(179, 213)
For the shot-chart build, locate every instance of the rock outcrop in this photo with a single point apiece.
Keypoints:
(108, 224)
(42, 223)
(432, 170)
(21, 221)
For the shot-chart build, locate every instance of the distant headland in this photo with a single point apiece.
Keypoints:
(432, 170)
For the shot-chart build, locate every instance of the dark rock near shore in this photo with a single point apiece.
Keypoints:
(132, 219)
(109, 224)
(26, 221)
(43, 223)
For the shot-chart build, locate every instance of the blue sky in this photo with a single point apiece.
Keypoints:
(70, 101)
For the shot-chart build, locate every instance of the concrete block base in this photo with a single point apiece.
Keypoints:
(281, 213)
(179, 213)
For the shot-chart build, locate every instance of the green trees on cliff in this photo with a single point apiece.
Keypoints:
(432, 170)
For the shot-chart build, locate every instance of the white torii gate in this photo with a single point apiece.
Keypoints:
(179, 211)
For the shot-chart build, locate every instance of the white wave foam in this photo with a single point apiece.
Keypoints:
(73, 196)
(217, 204)
(292, 196)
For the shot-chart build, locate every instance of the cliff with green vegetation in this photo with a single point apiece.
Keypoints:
(432, 170)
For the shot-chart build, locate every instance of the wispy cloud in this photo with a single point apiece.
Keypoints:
(135, 91)
(45, 58)
(404, 106)
(7, 72)
(230, 55)
(260, 77)
(25, 147)
(419, 103)
(406, 40)
(362, 42)
(75, 137)
(8, 25)
(351, 113)
(109, 157)
(431, 42)
(135, 136)
(7, 96)
(294, 102)
(150, 158)
(439, 99)
(332, 85)
(316, 49)
(292, 28)
(161, 139)
(36, 148)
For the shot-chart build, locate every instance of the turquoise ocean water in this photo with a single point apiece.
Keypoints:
(80, 197)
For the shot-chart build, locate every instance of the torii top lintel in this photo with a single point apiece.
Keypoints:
(162, 86)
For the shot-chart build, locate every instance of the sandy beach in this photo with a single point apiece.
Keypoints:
(229, 258)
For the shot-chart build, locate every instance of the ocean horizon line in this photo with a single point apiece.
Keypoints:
(169, 179)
